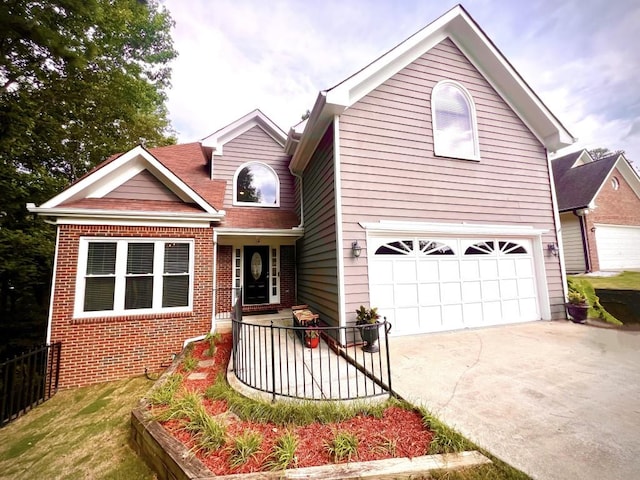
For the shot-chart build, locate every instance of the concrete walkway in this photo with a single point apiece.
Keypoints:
(554, 399)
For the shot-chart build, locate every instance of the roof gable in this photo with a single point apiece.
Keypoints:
(219, 138)
(464, 32)
(171, 167)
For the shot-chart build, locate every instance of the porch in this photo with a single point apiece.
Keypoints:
(270, 360)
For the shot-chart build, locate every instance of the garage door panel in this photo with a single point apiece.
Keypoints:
(449, 270)
(618, 247)
(471, 282)
(492, 312)
(405, 271)
(469, 269)
(471, 291)
(429, 293)
(488, 268)
(381, 269)
(524, 267)
(406, 320)
(491, 290)
(451, 293)
(406, 295)
(507, 267)
(508, 289)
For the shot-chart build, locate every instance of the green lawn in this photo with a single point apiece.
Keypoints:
(622, 281)
(77, 434)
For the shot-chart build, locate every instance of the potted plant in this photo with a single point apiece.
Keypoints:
(311, 338)
(367, 323)
(577, 306)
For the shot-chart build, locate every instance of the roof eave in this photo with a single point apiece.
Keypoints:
(87, 213)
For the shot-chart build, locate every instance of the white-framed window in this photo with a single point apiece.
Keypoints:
(615, 183)
(124, 276)
(453, 113)
(256, 184)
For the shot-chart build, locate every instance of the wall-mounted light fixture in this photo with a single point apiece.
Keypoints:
(552, 249)
(356, 249)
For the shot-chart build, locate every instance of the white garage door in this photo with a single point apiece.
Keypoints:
(434, 284)
(618, 247)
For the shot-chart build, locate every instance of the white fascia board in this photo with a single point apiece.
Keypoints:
(262, 232)
(582, 159)
(457, 25)
(77, 188)
(386, 227)
(65, 215)
(629, 174)
(105, 179)
(255, 118)
(495, 68)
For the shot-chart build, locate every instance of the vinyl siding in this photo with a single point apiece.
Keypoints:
(317, 257)
(572, 243)
(143, 186)
(389, 171)
(255, 145)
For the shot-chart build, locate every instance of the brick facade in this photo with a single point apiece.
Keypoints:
(613, 207)
(107, 348)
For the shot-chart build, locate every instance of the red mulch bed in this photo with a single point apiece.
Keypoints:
(400, 426)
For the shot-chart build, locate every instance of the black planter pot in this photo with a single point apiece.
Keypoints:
(369, 333)
(578, 313)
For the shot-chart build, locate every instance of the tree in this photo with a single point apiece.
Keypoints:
(600, 152)
(79, 80)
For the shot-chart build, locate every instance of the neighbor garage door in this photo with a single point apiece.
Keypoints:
(434, 284)
(618, 247)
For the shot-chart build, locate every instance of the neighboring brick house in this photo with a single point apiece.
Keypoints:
(420, 185)
(599, 204)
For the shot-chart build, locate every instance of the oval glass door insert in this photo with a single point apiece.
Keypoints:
(256, 265)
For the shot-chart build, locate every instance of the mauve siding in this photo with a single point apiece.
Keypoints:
(572, 243)
(389, 171)
(255, 145)
(317, 258)
(143, 186)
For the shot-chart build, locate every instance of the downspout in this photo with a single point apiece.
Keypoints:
(301, 225)
(585, 240)
(215, 280)
(342, 305)
(53, 284)
(557, 225)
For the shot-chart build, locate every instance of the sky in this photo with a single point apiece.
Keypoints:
(581, 57)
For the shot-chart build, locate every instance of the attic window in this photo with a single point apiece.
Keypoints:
(455, 132)
(256, 184)
(615, 183)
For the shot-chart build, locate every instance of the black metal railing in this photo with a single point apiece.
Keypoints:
(271, 356)
(28, 380)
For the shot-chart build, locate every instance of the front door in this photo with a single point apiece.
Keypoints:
(256, 275)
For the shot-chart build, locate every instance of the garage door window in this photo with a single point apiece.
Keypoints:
(405, 247)
(487, 248)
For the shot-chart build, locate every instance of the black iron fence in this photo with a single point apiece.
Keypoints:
(28, 380)
(311, 362)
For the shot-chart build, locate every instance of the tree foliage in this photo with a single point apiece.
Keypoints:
(601, 152)
(79, 80)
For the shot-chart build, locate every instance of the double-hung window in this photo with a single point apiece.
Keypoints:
(128, 276)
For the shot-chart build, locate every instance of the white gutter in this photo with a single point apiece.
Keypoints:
(263, 232)
(124, 214)
(342, 302)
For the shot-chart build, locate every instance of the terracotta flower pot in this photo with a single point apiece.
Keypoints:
(311, 342)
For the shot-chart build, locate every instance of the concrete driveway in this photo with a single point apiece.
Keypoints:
(554, 399)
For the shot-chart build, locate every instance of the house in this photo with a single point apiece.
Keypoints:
(599, 205)
(420, 185)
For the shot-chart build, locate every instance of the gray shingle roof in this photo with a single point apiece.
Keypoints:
(577, 187)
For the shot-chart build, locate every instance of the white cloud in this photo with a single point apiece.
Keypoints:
(580, 56)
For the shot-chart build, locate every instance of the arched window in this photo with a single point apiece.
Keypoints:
(455, 133)
(256, 184)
